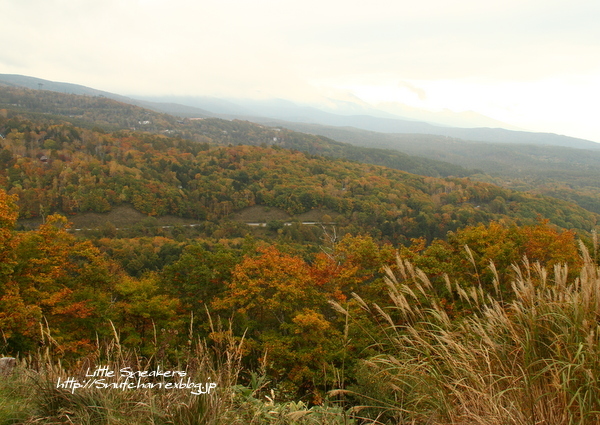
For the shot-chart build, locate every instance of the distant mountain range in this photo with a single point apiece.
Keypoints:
(287, 111)
(348, 115)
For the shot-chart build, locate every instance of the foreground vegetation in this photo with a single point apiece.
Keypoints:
(33, 394)
(530, 360)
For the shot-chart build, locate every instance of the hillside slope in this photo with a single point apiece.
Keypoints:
(566, 173)
(62, 168)
(109, 115)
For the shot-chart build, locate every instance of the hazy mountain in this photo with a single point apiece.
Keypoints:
(446, 117)
(216, 106)
(490, 157)
(13, 80)
(279, 109)
(282, 109)
(265, 111)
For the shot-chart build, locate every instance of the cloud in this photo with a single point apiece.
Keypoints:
(421, 94)
(431, 39)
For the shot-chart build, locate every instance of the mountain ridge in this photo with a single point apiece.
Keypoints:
(290, 111)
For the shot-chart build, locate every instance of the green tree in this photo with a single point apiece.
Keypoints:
(143, 309)
(199, 275)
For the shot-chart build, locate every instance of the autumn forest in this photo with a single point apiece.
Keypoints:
(346, 280)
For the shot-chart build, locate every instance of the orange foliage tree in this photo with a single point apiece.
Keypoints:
(17, 319)
(274, 297)
(54, 288)
(468, 254)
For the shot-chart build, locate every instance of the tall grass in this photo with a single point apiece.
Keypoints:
(33, 396)
(532, 360)
(36, 384)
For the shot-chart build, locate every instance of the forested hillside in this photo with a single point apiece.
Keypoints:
(567, 173)
(110, 115)
(360, 273)
(65, 169)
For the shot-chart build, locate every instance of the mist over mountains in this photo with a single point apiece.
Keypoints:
(371, 119)
(347, 114)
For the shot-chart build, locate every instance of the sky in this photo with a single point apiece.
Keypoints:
(534, 64)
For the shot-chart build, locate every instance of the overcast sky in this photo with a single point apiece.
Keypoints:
(533, 64)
